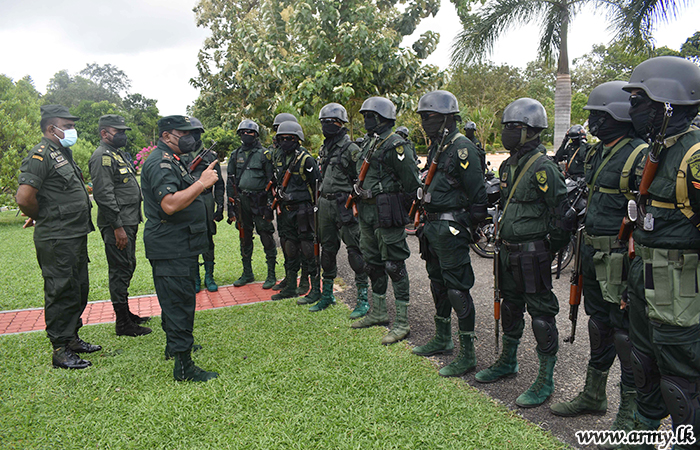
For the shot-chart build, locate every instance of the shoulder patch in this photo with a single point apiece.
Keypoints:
(38, 157)
(355, 155)
(463, 153)
(541, 177)
(268, 155)
(106, 161)
(695, 168)
(400, 149)
(165, 165)
(504, 175)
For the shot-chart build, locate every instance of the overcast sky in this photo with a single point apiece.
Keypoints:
(155, 42)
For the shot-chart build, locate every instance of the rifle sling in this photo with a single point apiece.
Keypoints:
(245, 166)
(527, 166)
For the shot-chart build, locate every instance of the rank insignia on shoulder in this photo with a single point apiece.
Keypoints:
(695, 169)
(504, 176)
(167, 156)
(123, 170)
(399, 149)
(541, 177)
(38, 157)
(454, 230)
(401, 157)
(106, 161)
(463, 153)
(164, 165)
(464, 165)
(696, 185)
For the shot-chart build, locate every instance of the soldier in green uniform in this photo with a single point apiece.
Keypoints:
(175, 235)
(454, 202)
(383, 216)
(213, 201)
(573, 154)
(410, 146)
(53, 195)
(609, 172)
(295, 218)
(336, 222)
(664, 302)
(250, 170)
(118, 196)
(533, 194)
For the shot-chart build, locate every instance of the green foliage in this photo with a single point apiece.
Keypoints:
(691, 48)
(82, 151)
(266, 55)
(67, 90)
(605, 63)
(19, 131)
(90, 113)
(578, 114)
(108, 77)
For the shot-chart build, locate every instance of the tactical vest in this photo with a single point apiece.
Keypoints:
(446, 178)
(298, 186)
(381, 177)
(336, 171)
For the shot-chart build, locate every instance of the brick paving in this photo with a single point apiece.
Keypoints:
(22, 321)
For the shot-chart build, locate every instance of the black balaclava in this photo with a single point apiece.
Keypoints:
(374, 123)
(289, 146)
(248, 140)
(330, 129)
(603, 126)
(517, 141)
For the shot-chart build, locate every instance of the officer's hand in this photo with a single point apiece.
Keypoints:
(120, 236)
(209, 176)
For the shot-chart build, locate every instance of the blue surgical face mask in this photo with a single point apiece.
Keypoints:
(70, 137)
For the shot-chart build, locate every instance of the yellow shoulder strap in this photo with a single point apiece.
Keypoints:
(682, 199)
(627, 170)
(527, 166)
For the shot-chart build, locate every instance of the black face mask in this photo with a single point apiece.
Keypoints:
(511, 138)
(647, 115)
(119, 140)
(604, 127)
(188, 143)
(331, 128)
(371, 122)
(432, 124)
(248, 139)
(288, 146)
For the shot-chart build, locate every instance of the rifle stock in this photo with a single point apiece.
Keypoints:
(198, 159)
(576, 288)
(285, 182)
(496, 282)
(351, 202)
(236, 202)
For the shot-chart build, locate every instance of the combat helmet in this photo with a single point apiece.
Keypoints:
(247, 124)
(612, 99)
(667, 79)
(442, 102)
(526, 110)
(333, 111)
(283, 117)
(292, 128)
(380, 105)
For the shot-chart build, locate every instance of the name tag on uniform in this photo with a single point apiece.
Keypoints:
(123, 171)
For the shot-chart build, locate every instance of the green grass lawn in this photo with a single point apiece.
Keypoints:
(288, 379)
(24, 287)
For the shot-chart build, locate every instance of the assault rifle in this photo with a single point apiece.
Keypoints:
(235, 201)
(423, 196)
(357, 190)
(496, 280)
(625, 233)
(285, 182)
(198, 159)
(576, 285)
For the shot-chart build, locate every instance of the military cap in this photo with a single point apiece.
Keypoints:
(181, 123)
(113, 121)
(51, 111)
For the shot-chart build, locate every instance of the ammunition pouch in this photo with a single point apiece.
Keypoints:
(346, 215)
(671, 285)
(258, 204)
(609, 266)
(423, 245)
(305, 218)
(391, 212)
(531, 266)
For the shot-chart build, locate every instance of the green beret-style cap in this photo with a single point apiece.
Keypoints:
(181, 123)
(51, 111)
(114, 121)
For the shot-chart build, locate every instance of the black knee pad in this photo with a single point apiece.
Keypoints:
(646, 374)
(357, 263)
(461, 302)
(292, 249)
(328, 261)
(395, 269)
(681, 398)
(599, 334)
(307, 249)
(546, 334)
(374, 272)
(267, 240)
(511, 316)
(623, 347)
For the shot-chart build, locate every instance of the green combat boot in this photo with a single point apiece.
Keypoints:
(642, 423)
(197, 281)
(281, 285)
(209, 276)
(271, 276)
(289, 290)
(377, 313)
(624, 421)
(362, 305)
(247, 276)
(327, 297)
(315, 294)
(304, 284)
(543, 386)
(442, 342)
(170, 355)
(505, 366)
(400, 330)
(591, 400)
(466, 360)
(185, 370)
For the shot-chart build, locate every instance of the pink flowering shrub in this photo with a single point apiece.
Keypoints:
(143, 155)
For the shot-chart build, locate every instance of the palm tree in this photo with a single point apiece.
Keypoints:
(483, 29)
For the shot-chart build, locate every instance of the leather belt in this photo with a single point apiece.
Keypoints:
(291, 207)
(369, 201)
(334, 195)
(603, 243)
(534, 246)
(449, 215)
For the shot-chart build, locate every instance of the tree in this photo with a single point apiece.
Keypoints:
(606, 63)
(19, 131)
(263, 54)
(108, 77)
(481, 30)
(69, 91)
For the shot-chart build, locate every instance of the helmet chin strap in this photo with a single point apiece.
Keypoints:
(524, 139)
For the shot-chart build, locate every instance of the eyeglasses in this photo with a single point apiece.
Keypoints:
(326, 121)
(286, 138)
(512, 125)
(249, 132)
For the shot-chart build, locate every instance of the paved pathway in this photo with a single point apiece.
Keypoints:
(21, 321)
